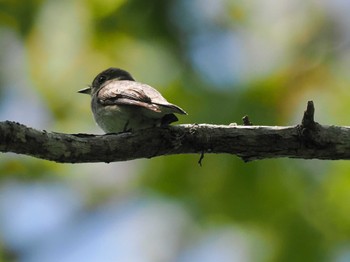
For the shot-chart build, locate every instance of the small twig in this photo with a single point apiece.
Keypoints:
(201, 158)
(308, 118)
(246, 121)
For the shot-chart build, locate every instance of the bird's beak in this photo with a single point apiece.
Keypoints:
(86, 90)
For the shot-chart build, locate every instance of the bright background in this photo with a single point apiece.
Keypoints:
(217, 59)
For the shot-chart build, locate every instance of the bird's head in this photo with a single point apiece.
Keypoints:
(104, 76)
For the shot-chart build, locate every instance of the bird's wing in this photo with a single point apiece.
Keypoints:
(116, 92)
(134, 93)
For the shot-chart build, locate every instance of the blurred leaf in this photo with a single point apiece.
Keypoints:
(19, 15)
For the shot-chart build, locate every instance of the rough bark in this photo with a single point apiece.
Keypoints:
(309, 140)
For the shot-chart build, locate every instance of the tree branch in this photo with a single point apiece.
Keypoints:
(307, 140)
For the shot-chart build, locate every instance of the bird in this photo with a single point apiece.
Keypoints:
(120, 104)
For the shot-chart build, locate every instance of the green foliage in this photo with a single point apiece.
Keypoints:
(301, 205)
(19, 15)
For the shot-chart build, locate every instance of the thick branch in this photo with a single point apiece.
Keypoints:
(308, 140)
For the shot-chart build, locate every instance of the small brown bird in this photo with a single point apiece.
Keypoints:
(119, 103)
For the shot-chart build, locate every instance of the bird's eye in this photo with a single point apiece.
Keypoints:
(101, 79)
